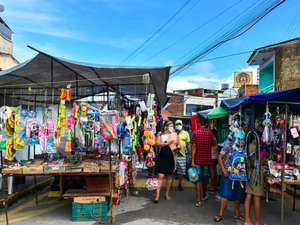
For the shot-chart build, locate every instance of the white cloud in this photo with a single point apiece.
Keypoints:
(203, 67)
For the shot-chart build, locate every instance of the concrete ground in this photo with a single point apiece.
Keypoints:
(139, 209)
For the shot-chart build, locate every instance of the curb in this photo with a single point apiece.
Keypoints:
(13, 198)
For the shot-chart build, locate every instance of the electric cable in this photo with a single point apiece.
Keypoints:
(163, 32)
(191, 32)
(238, 19)
(229, 25)
(131, 54)
(285, 35)
(233, 34)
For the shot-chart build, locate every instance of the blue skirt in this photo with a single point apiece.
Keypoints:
(235, 193)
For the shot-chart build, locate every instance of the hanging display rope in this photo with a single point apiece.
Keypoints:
(72, 81)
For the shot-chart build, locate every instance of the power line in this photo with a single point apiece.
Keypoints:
(130, 55)
(234, 33)
(285, 35)
(223, 30)
(219, 57)
(190, 32)
(164, 32)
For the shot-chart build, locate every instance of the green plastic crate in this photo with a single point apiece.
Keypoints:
(89, 211)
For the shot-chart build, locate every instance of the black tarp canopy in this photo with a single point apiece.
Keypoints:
(45, 75)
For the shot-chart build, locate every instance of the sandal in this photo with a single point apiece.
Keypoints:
(168, 198)
(218, 218)
(155, 201)
(198, 204)
(239, 217)
(205, 197)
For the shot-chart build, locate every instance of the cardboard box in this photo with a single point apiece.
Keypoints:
(89, 199)
(105, 167)
(13, 170)
(97, 185)
(91, 169)
(71, 168)
(33, 169)
(51, 168)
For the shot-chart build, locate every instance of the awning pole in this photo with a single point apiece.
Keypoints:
(283, 186)
(252, 117)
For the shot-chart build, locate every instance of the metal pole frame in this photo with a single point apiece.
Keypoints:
(3, 177)
(283, 185)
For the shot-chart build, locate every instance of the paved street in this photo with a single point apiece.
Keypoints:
(139, 209)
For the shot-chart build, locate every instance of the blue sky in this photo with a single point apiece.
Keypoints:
(106, 31)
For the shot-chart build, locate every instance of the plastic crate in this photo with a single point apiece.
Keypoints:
(89, 211)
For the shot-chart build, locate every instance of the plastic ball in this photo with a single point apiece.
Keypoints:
(153, 124)
(146, 147)
(147, 133)
(152, 142)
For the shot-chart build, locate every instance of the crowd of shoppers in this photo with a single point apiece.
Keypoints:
(178, 146)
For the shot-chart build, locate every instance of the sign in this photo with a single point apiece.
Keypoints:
(242, 78)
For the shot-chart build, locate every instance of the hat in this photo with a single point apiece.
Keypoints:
(178, 122)
(193, 175)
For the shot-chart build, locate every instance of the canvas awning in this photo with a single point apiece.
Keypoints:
(218, 112)
(45, 73)
(290, 96)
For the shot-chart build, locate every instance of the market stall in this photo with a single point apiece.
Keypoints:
(92, 120)
(276, 115)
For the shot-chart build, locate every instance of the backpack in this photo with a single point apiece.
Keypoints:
(237, 169)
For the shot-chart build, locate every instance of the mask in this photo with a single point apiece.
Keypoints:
(171, 129)
(178, 127)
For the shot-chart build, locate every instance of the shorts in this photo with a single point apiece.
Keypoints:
(181, 165)
(203, 171)
(235, 193)
(215, 161)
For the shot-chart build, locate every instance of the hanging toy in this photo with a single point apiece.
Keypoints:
(295, 122)
(68, 147)
(267, 123)
(10, 125)
(68, 95)
(42, 138)
(62, 93)
(120, 130)
(10, 152)
(75, 111)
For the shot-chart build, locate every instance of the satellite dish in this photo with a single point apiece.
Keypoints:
(1, 8)
(5, 112)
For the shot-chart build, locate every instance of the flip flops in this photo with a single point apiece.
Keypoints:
(239, 217)
(198, 204)
(168, 198)
(218, 218)
(203, 199)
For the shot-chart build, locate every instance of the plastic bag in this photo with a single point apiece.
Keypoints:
(193, 175)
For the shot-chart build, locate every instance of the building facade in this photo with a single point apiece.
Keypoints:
(6, 47)
(279, 65)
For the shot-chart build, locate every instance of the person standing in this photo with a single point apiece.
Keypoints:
(202, 141)
(184, 139)
(254, 190)
(168, 141)
(213, 166)
(227, 189)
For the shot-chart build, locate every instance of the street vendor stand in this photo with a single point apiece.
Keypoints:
(289, 101)
(41, 80)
